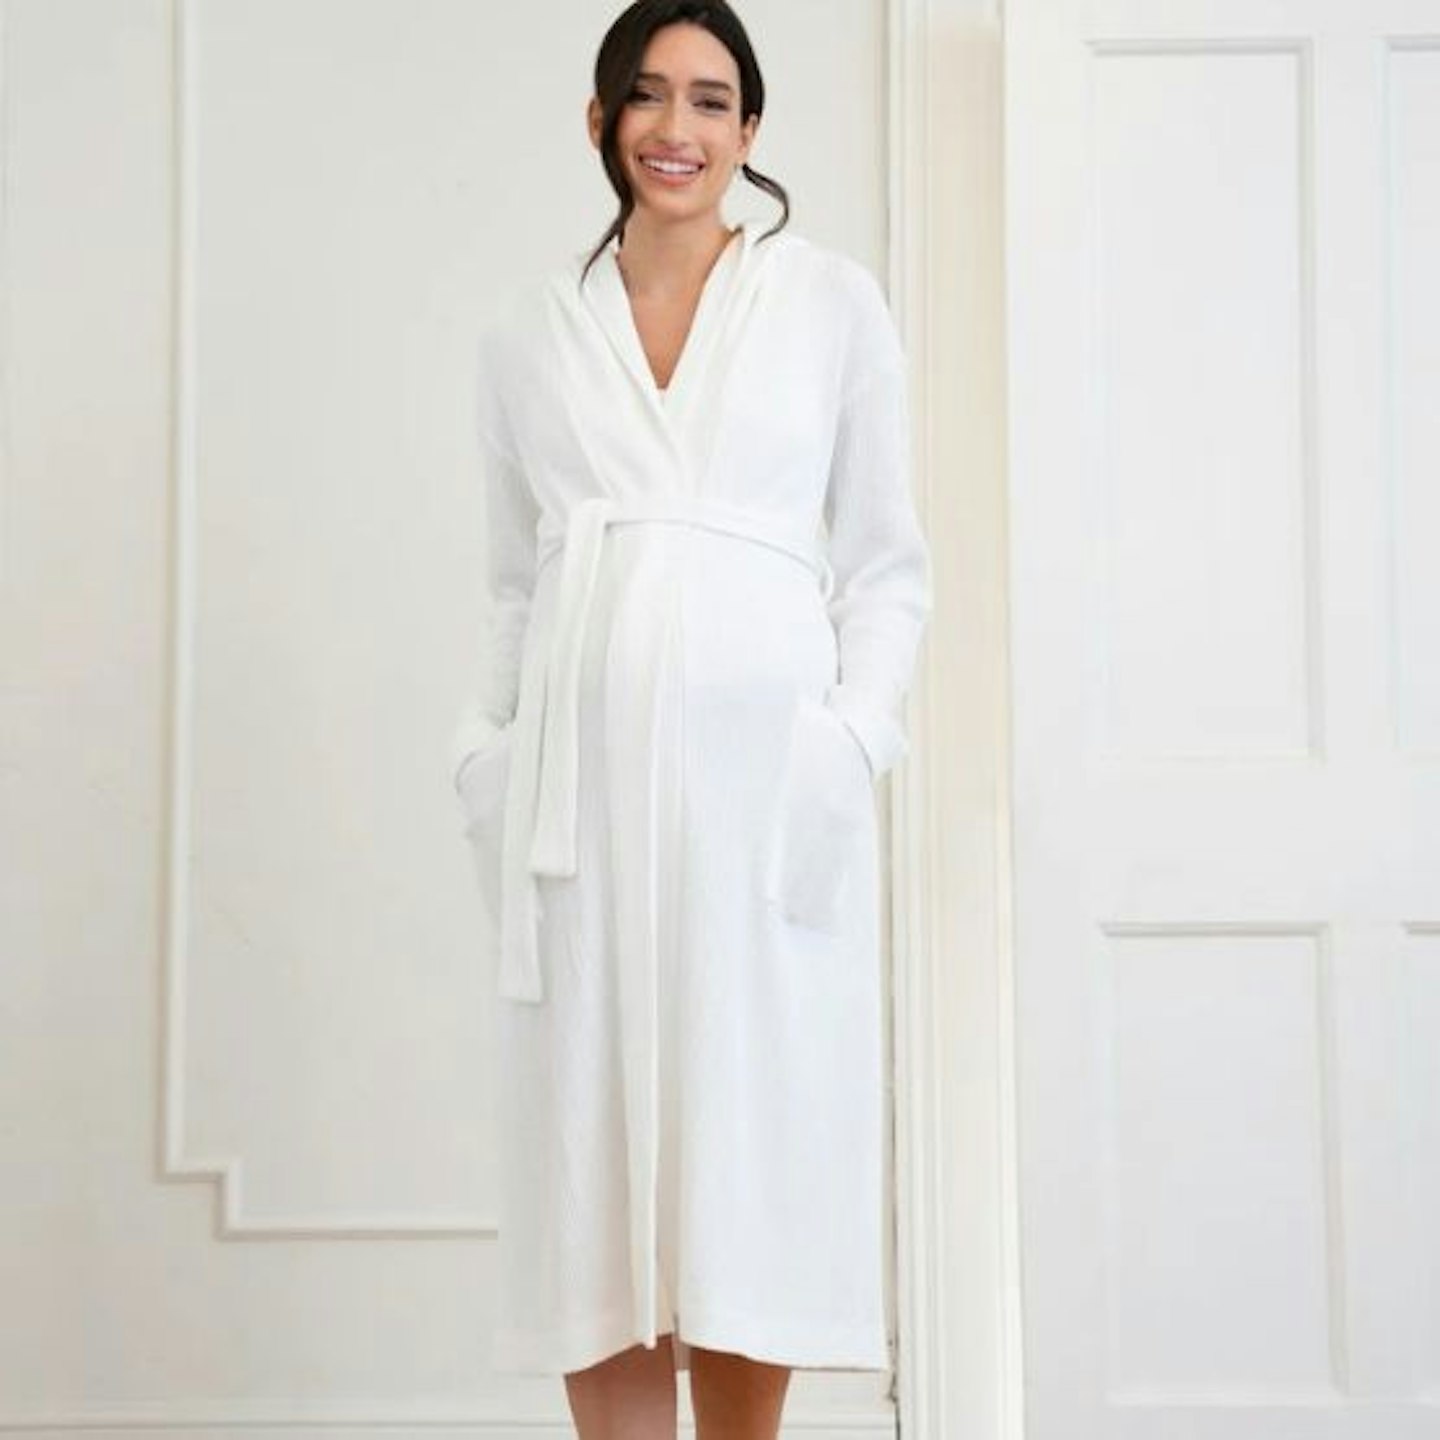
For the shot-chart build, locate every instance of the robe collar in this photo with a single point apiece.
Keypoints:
(723, 300)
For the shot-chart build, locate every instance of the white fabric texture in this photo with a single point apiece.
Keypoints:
(707, 604)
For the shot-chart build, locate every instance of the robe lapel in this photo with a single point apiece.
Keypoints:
(695, 403)
(610, 305)
(619, 430)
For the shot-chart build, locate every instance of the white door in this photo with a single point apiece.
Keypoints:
(1224, 303)
(244, 1110)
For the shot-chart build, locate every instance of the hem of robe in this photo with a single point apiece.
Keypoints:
(799, 1344)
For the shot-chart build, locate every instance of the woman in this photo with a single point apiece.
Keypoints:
(669, 779)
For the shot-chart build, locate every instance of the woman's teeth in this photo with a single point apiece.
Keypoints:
(670, 167)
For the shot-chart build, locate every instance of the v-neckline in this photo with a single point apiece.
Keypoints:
(684, 417)
(721, 271)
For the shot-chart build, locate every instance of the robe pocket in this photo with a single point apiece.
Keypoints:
(481, 782)
(824, 798)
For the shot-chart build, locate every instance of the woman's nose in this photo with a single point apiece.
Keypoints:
(672, 126)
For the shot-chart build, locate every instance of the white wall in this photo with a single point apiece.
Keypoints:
(243, 1124)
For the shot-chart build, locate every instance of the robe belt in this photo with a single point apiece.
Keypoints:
(555, 760)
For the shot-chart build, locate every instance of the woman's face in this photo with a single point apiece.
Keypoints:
(680, 136)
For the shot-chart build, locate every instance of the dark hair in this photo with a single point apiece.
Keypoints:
(618, 63)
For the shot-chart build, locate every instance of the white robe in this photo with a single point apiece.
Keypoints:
(707, 608)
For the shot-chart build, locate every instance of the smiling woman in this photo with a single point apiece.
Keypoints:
(673, 132)
(677, 85)
(669, 783)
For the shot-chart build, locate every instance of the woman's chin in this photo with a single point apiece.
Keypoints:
(671, 208)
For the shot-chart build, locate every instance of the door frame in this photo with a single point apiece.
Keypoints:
(959, 1363)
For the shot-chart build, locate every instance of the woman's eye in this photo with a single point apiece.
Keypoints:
(718, 106)
(639, 96)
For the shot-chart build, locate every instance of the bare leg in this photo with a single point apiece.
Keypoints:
(629, 1396)
(735, 1397)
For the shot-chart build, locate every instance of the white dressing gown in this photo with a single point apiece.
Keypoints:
(707, 608)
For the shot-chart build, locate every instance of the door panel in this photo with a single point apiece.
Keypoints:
(1225, 642)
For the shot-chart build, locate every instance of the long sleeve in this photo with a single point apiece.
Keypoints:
(511, 515)
(882, 597)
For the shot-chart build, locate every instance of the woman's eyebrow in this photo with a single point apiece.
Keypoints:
(654, 77)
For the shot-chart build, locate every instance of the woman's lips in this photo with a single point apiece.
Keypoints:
(670, 172)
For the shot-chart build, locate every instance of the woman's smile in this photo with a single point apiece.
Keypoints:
(671, 171)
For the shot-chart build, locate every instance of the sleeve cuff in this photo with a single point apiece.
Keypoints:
(475, 732)
(881, 736)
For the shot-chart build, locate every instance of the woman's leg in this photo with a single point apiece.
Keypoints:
(629, 1396)
(735, 1397)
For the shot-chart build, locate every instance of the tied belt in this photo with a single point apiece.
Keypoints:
(642, 711)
